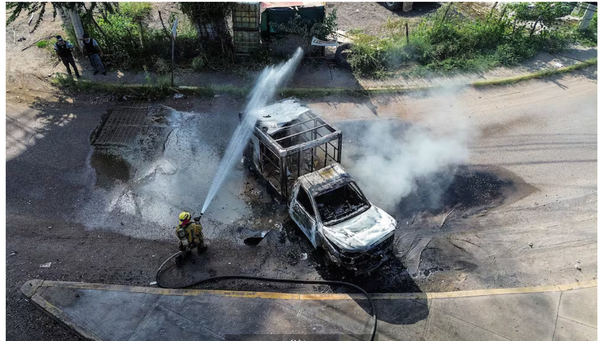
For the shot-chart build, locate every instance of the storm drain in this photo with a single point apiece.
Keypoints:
(122, 126)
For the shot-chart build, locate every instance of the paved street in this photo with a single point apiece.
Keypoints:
(521, 212)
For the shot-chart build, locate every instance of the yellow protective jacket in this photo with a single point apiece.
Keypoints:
(193, 233)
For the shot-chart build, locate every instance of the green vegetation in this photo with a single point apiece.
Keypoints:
(161, 89)
(589, 36)
(42, 44)
(355, 31)
(447, 41)
(129, 43)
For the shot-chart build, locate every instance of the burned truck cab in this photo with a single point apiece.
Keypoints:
(332, 211)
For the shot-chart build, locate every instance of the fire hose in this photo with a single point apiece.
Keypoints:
(267, 279)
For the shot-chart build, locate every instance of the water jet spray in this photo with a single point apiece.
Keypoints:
(263, 92)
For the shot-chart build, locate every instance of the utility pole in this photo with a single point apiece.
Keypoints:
(77, 25)
(587, 16)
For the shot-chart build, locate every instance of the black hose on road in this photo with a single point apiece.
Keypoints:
(267, 279)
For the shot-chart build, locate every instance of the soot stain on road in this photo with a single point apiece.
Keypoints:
(471, 192)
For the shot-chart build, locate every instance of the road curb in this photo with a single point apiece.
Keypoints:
(30, 288)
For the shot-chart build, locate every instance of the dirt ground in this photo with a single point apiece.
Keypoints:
(371, 16)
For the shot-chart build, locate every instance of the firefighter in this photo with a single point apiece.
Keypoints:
(190, 233)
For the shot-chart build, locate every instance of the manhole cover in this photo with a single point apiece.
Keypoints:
(122, 126)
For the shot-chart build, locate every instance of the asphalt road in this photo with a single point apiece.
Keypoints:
(536, 141)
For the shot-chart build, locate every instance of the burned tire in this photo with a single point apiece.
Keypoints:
(327, 262)
(341, 55)
(392, 6)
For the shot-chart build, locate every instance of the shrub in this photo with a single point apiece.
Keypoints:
(42, 44)
(589, 36)
(129, 43)
(446, 41)
(198, 63)
(161, 66)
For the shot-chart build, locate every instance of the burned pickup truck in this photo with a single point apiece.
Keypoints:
(298, 154)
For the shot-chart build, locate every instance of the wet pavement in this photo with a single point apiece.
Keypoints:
(168, 170)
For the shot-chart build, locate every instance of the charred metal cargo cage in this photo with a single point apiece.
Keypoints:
(289, 141)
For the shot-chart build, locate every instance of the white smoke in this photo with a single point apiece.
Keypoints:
(394, 159)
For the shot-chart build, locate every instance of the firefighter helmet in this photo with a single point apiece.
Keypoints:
(184, 217)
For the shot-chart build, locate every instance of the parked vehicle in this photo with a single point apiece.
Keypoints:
(392, 6)
(298, 153)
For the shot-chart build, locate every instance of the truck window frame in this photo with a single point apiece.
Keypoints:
(303, 199)
(353, 186)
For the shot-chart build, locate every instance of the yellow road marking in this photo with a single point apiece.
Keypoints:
(318, 297)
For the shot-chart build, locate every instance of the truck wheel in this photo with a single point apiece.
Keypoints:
(326, 261)
(392, 6)
(341, 55)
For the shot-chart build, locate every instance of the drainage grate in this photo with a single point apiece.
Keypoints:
(122, 126)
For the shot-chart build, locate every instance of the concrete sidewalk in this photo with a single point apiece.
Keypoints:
(327, 75)
(112, 312)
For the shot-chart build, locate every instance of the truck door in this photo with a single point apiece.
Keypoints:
(303, 214)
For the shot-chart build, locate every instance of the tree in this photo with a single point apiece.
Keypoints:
(70, 9)
(139, 12)
(544, 13)
(211, 17)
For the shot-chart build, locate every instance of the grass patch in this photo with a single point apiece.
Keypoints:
(42, 44)
(356, 31)
(160, 90)
(536, 75)
(322, 92)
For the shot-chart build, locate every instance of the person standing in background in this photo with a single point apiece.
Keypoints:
(64, 51)
(93, 51)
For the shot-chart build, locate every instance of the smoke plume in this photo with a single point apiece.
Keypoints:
(393, 159)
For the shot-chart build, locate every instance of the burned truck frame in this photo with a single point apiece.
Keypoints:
(289, 141)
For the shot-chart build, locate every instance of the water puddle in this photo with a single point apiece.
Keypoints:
(140, 191)
(111, 169)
